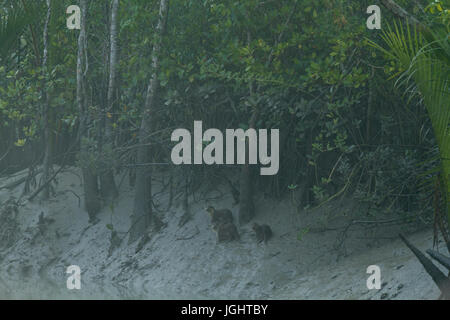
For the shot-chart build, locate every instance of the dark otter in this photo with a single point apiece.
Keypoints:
(220, 216)
(226, 232)
(263, 232)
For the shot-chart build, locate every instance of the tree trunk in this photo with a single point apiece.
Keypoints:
(142, 211)
(91, 196)
(107, 183)
(246, 204)
(46, 164)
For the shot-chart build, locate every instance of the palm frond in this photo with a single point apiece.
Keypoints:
(424, 59)
(13, 20)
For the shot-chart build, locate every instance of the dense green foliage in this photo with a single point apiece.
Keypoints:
(306, 66)
(423, 55)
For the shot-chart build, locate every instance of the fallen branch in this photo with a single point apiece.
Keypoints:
(35, 193)
(18, 182)
(439, 278)
(343, 235)
(445, 261)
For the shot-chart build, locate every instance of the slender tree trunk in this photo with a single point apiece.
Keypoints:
(91, 197)
(107, 183)
(47, 162)
(246, 204)
(142, 211)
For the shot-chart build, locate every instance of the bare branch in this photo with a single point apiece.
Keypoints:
(437, 275)
(402, 13)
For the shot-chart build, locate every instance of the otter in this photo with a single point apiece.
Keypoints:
(263, 232)
(226, 232)
(220, 216)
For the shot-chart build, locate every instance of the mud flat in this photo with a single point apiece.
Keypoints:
(312, 255)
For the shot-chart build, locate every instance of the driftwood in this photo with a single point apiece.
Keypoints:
(439, 278)
(13, 184)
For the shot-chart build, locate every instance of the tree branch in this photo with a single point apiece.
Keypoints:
(437, 275)
(445, 261)
(402, 13)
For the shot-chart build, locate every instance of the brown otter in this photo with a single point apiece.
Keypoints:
(263, 232)
(220, 216)
(226, 232)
